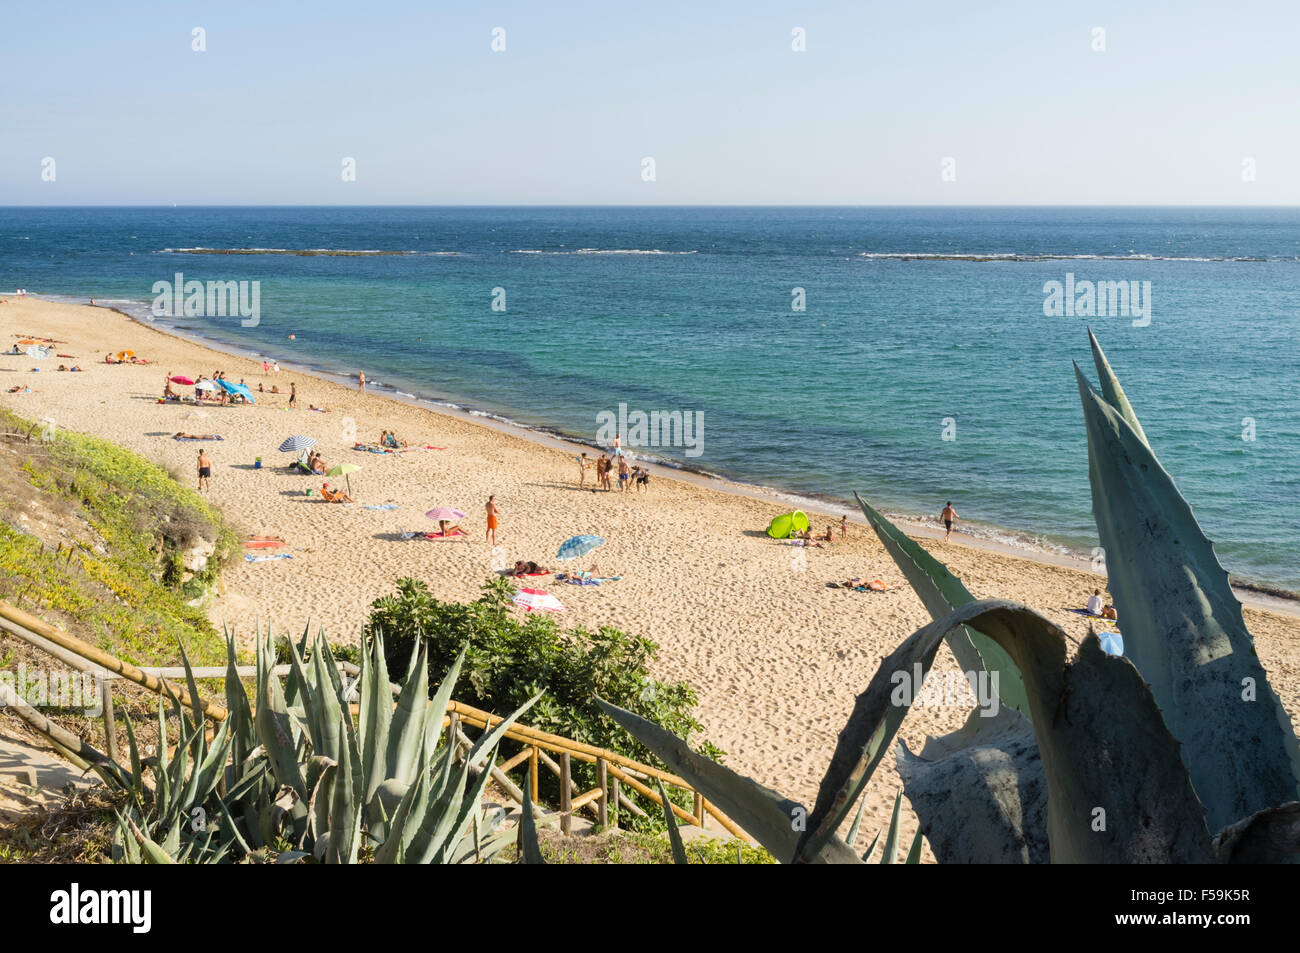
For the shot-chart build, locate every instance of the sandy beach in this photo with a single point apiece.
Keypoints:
(775, 656)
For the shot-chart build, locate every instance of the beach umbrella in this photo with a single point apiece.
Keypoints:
(297, 443)
(537, 600)
(445, 513)
(125, 355)
(38, 352)
(25, 341)
(239, 390)
(205, 385)
(178, 379)
(576, 546)
(343, 469)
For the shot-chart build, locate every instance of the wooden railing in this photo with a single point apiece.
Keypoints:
(539, 749)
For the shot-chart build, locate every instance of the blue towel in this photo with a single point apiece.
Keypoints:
(262, 559)
(384, 506)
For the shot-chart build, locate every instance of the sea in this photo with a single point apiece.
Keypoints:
(913, 354)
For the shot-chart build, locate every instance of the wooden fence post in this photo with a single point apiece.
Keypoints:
(566, 795)
(602, 781)
(532, 773)
(110, 723)
(613, 803)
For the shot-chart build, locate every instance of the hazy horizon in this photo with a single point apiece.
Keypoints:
(394, 104)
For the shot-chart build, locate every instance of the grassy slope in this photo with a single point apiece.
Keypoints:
(112, 575)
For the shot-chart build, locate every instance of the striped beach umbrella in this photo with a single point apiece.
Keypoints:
(205, 385)
(297, 443)
(576, 546)
(445, 513)
(537, 600)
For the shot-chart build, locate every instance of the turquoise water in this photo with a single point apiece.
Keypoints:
(689, 309)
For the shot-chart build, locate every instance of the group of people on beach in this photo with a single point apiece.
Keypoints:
(606, 466)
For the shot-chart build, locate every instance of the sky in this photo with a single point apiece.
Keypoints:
(933, 103)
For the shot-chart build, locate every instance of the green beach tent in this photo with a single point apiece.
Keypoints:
(782, 526)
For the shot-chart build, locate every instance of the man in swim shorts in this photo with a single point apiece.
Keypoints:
(492, 513)
(949, 516)
(623, 473)
(205, 470)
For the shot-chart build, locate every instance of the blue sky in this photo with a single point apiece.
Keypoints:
(1013, 92)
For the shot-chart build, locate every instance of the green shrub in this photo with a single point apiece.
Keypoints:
(509, 659)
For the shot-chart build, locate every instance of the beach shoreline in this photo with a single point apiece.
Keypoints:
(1258, 596)
(774, 654)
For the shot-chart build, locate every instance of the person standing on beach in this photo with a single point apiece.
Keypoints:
(949, 516)
(492, 520)
(844, 526)
(582, 470)
(623, 474)
(205, 471)
(361, 381)
(293, 395)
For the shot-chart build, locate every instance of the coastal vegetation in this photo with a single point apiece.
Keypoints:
(103, 541)
(509, 660)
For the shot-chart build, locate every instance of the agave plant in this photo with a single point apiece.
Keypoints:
(1178, 752)
(298, 781)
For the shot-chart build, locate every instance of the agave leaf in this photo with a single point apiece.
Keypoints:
(150, 852)
(328, 710)
(239, 715)
(890, 855)
(345, 815)
(852, 838)
(914, 852)
(530, 851)
(1269, 837)
(438, 705)
(274, 728)
(1111, 391)
(375, 717)
(1126, 767)
(467, 813)
(765, 815)
(674, 835)
(1001, 815)
(438, 819)
(406, 732)
(871, 848)
(400, 831)
(1183, 626)
(940, 592)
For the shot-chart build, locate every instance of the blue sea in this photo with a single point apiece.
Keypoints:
(921, 368)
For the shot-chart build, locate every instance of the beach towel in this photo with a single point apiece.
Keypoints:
(439, 536)
(574, 581)
(263, 543)
(383, 506)
(210, 436)
(1112, 643)
(1095, 618)
(250, 558)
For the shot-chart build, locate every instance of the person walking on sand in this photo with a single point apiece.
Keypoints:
(361, 381)
(205, 471)
(492, 513)
(583, 466)
(293, 395)
(949, 516)
(844, 526)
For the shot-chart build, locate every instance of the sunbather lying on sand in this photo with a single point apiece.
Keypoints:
(526, 568)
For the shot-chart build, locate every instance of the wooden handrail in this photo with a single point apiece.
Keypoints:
(616, 766)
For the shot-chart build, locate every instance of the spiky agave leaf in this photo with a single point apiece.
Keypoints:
(1183, 626)
(1111, 389)
(530, 851)
(940, 591)
(1126, 766)
(375, 717)
(765, 815)
(1001, 815)
(674, 835)
(890, 855)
